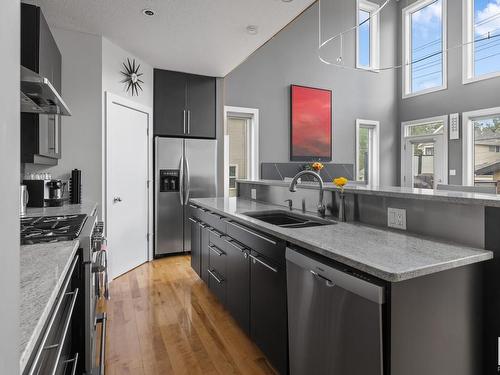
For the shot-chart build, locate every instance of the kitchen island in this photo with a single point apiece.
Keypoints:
(430, 289)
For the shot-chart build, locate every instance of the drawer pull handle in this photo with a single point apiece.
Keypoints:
(219, 280)
(192, 206)
(52, 319)
(193, 220)
(216, 250)
(75, 363)
(256, 259)
(254, 233)
(329, 283)
(238, 246)
(215, 232)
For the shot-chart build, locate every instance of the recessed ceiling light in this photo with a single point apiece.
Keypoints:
(148, 12)
(252, 29)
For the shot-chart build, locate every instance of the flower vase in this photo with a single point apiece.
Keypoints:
(342, 207)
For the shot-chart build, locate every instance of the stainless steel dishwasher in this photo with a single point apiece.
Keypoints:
(335, 319)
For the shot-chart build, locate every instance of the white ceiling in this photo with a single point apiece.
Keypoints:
(196, 36)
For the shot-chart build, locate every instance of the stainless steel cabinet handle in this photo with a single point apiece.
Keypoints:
(216, 250)
(219, 280)
(238, 246)
(192, 206)
(117, 199)
(193, 220)
(75, 363)
(189, 120)
(328, 282)
(60, 345)
(184, 121)
(211, 230)
(256, 259)
(52, 319)
(253, 233)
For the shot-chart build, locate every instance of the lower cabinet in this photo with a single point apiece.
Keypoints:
(204, 240)
(195, 245)
(268, 313)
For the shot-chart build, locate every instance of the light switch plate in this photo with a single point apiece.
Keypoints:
(396, 218)
(253, 193)
(454, 126)
(453, 172)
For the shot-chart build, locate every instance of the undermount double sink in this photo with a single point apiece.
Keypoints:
(287, 219)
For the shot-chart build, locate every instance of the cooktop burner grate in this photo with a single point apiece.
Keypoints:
(40, 229)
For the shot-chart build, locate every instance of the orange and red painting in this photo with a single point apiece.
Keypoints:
(311, 124)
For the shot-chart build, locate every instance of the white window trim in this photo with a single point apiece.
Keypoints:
(406, 58)
(404, 138)
(468, 75)
(468, 141)
(374, 178)
(374, 22)
(251, 114)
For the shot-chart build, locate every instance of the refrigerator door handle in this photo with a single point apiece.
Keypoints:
(188, 182)
(181, 179)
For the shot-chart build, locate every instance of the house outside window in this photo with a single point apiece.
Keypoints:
(424, 47)
(367, 35)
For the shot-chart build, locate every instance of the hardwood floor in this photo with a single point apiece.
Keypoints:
(162, 319)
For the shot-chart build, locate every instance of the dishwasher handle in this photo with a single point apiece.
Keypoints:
(335, 277)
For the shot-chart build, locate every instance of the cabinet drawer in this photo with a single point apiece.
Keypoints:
(217, 253)
(217, 284)
(264, 244)
(214, 220)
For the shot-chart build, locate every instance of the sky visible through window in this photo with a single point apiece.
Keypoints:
(486, 36)
(426, 47)
(364, 38)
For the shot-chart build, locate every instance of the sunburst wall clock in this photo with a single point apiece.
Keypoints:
(132, 76)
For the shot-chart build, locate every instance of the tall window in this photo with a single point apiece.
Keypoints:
(367, 35)
(424, 47)
(367, 152)
(481, 39)
(482, 148)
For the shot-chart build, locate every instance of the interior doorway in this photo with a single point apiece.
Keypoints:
(127, 181)
(241, 147)
(424, 153)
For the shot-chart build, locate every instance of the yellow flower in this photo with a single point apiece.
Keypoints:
(340, 182)
(317, 166)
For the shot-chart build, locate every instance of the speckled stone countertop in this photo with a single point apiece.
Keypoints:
(86, 208)
(481, 199)
(43, 269)
(389, 255)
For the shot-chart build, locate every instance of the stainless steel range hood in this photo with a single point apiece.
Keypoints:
(39, 96)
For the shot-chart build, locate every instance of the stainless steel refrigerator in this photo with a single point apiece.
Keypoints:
(184, 168)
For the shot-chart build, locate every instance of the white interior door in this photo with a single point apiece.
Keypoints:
(127, 195)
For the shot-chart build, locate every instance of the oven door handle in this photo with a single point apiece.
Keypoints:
(103, 320)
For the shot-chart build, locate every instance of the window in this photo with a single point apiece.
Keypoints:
(367, 152)
(481, 151)
(481, 39)
(424, 47)
(367, 35)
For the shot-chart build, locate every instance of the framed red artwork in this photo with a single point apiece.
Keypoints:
(310, 124)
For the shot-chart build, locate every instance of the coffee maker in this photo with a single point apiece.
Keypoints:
(56, 193)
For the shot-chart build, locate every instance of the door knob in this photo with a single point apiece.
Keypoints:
(117, 199)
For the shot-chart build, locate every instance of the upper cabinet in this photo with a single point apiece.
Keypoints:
(40, 133)
(184, 105)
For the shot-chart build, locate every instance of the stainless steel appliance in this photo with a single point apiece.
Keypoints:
(184, 168)
(23, 199)
(38, 191)
(335, 318)
(56, 193)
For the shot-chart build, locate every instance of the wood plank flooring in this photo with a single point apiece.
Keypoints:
(162, 319)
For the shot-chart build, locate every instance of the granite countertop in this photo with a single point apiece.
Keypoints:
(43, 269)
(390, 255)
(481, 199)
(86, 208)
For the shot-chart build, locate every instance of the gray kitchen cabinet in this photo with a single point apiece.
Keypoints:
(205, 239)
(195, 246)
(184, 105)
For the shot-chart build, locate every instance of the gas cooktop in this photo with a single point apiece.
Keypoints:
(41, 229)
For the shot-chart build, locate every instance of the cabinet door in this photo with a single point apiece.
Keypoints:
(205, 240)
(201, 107)
(169, 103)
(268, 314)
(238, 284)
(195, 246)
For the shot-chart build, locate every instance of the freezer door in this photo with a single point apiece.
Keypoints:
(200, 176)
(168, 204)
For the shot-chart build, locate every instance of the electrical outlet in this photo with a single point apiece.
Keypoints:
(453, 172)
(396, 218)
(253, 193)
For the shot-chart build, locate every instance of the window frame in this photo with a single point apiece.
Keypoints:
(374, 23)
(468, 74)
(468, 141)
(406, 47)
(374, 126)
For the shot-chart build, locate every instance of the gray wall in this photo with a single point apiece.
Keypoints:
(291, 57)
(9, 187)
(458, 97)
